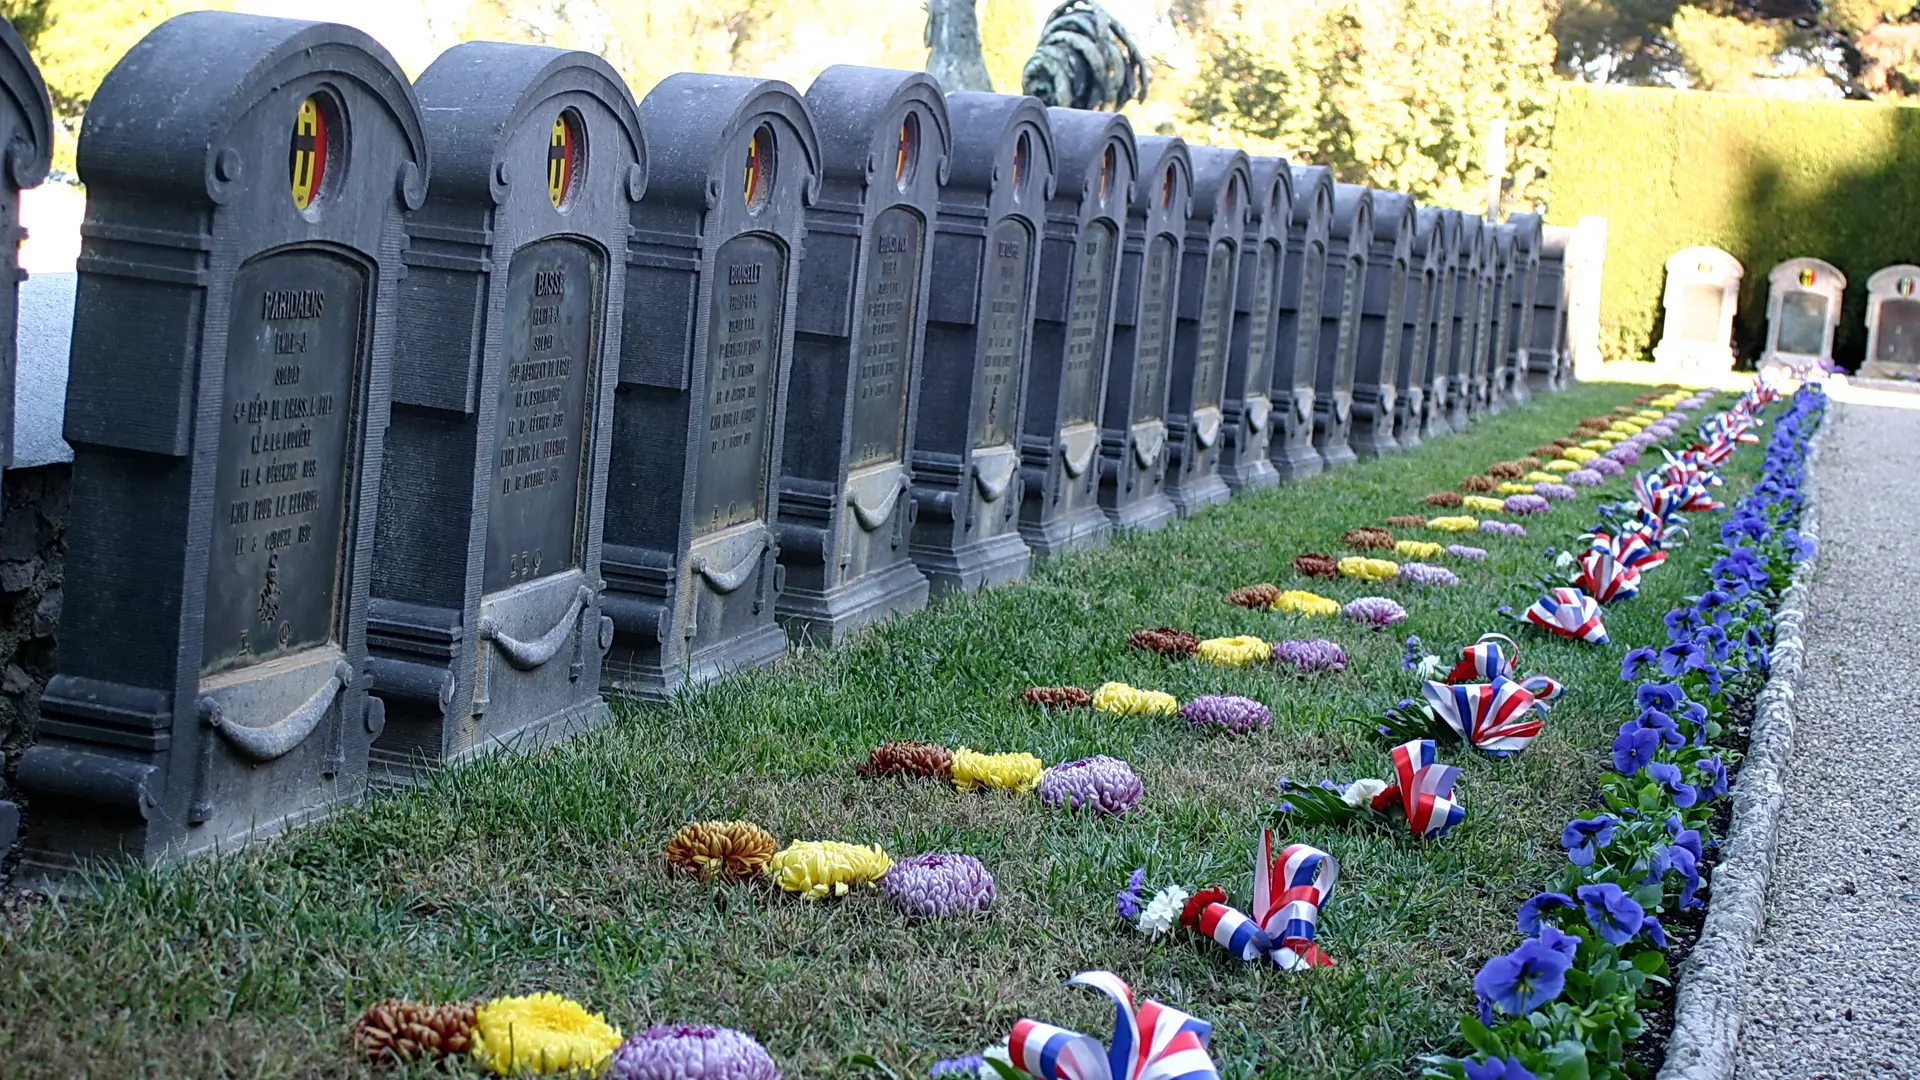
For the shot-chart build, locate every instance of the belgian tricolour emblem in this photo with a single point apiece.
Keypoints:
(563, 155)
(307, 159)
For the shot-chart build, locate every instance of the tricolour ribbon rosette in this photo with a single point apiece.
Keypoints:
(1657, 498)
(1150, 1042)
(1604, 578)
(1496, 655)
(1497, 717)
(1631, 548)
(1288, 893)
(1657, 532)
(1569, 613)
(1424, 790)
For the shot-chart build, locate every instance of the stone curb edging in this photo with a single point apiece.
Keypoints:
(1707, 1001)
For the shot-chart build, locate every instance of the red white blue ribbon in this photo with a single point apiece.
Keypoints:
(1604, 578)
(1631, 548)
(1655, 531)
(1288, 893)
(1151, 1042)
(1657, 498)
(1497, 718)
(1497, 655)
(1424, 790)
(1569, 613)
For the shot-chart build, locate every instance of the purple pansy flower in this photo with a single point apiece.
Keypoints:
(1612, 913)
(1524, 979)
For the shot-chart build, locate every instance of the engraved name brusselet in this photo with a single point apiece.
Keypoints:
(891, 244)
(748, 274)
(278, 304)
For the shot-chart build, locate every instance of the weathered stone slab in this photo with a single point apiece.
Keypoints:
(1349, 245)
(1496, 297)
(1247, 409)
(1425, 283)
(1133, 425)
(1073, 327)
(705, 356)
(1296, 329)
(846, 501)
(485, 627)
(1382, 321)
(1803, 308)
(986, 257)
(1893, 323)
(1519, 329)
(1547, 342)
(1217, 220)
(1698, 304)
(232, 352)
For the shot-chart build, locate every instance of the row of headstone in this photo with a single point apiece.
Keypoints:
(381, 464)
(1804, 298)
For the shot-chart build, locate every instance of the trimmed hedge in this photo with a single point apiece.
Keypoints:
(1766, 180)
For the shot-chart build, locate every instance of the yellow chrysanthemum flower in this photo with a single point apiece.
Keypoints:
(1597, 444)
(1650, 415)
(1580, 453)
(1561, 465)
(1541, 476)
(819, 868)
(1234, 651)
(1628, 427)
(1484, 504)
(1359, 566)
(1120, 699)
(1514, 488)
(1301, 602)
(1461, 523)
(1418, 549)
(541, 1033)
(1668, 401)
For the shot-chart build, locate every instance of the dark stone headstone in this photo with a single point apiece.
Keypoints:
(1133, 424)
(1349, 245)
(485, 627)
(1547, 338)
(1444, 254)
(1519, 330)
(1490, 333)
(1376, 392)
(846, 499)
(1470, 256)
(1426, 271)
(986, 257)
(1248, 410)
(1296, 325)
(26, 130)
(1217, 220)
(232, 356)
(705, 354)
(1073, 331)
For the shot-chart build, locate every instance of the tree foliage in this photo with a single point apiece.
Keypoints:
(1398, 94)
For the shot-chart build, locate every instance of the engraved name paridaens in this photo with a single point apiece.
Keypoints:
(281, 484)
(736, 401)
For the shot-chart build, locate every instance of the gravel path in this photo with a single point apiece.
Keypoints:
(1834, 991)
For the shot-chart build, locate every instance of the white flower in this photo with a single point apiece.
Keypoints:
(1162, 911)
(1430, 667)
(997, 1052)
(1564, 560)
(1361, 792)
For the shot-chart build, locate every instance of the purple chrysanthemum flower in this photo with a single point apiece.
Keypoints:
(1606, 466)
(1585, 478)
(1375, 611)
(935, 885)
(1504, 528)
(1229, 712)
(1427, 574)
(1313, 655)
(689, 1052)
(1661, 430)
(1679, 417)
(1105, 785)
(1553, 492)
(1462, 551)
(1625, 455)
(1527, 504)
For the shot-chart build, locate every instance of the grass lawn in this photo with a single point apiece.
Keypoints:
(543, 871)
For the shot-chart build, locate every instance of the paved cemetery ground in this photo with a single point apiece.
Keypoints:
(544, 872)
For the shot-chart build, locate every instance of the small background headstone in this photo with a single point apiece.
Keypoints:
(1803, 308)
(1893, 323)
(1701, 295)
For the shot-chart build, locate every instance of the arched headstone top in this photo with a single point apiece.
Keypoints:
(1272, 193)
(1704, 264)
(869, 138)
(1002, 143)
(1432, 238)
(1222, 183)
(1553, 242)
(1352, 216)
(1166, 185)
(27, 159)
(1098, 162)
(690, 141)
(164, 119)
(1312, 195)
(1467, 247)
(1527, 237)
(1394, 223)
(1501, 246)
(1901, 280)
(483, 92)
(1808, 275)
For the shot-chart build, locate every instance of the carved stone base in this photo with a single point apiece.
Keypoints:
(391, 766)
(1202, 492)
(989, 562)
(1368, 441)
(1249, 473)
(828, 618)
(645, 677)
(1297, 461)
(1083, 528)
(1143, 515)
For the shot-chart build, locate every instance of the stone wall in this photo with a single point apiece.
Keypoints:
(33, 553)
